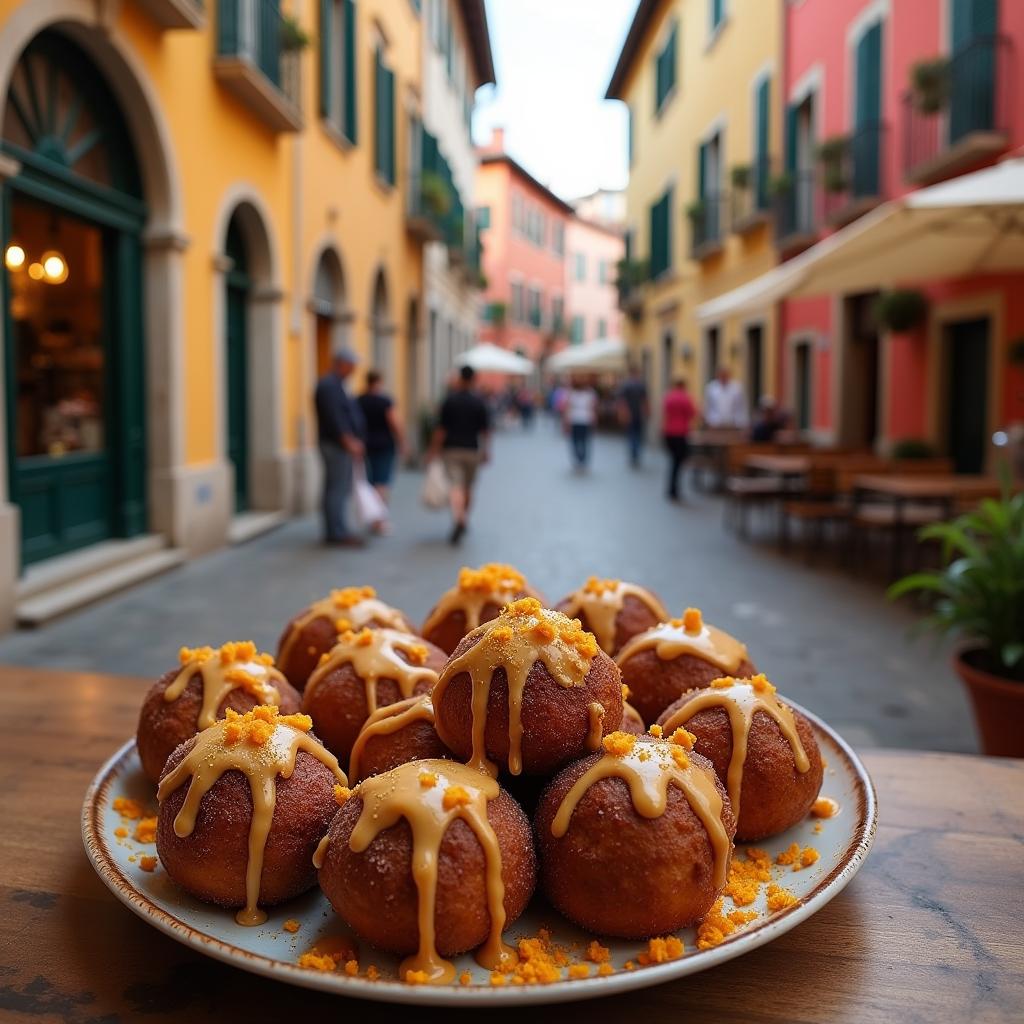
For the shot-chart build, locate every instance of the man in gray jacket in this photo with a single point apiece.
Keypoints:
(340, 429)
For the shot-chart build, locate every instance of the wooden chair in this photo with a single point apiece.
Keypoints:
(745, 490)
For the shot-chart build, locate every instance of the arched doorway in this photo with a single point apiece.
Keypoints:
(382, 331)
(249, 328)
(330, 318)
(71, 224)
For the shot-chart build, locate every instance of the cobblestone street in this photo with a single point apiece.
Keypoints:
(829, 641)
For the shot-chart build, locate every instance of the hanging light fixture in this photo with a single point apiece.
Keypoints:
(55, 267)
(36, 272)
(14, 257)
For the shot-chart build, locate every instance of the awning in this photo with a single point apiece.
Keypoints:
(973, 224)
(606, 355)
(487, 358)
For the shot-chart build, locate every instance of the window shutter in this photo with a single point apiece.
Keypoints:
(667, 220)
(791, 115)
(629, 135)
(379, 99)
(389, 124)
(326, 35)
(349, 115)
(670, 60)
(702, 170)
(761, 128)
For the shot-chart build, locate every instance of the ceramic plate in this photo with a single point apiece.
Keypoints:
(843, 843)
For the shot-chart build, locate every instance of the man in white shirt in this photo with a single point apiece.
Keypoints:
(579, 414)
(725, 405)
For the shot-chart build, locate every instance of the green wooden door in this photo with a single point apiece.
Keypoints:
(968, 393)
(72, 306)
(972, 67)
(237, 364)
(867, 113)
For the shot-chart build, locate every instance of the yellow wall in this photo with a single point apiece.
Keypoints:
(222, 148)
(714, 83)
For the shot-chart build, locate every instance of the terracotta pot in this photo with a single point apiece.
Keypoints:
(998, 707)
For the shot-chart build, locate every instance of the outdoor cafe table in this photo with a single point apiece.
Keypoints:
(928, 931)
(900, 490)
(788, 467)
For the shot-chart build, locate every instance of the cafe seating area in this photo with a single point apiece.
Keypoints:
(862, 510)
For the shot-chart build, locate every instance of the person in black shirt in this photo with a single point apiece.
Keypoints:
(462, 439)
(383, 437)
(340, 429)
(633, 412)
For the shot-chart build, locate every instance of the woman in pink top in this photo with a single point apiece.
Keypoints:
(678, 412)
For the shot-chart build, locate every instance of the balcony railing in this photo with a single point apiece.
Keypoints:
(964, 115)
(707, 224)
(632, 276)
(852, 182)
(796, 208)
(750, 203)
(258, 60)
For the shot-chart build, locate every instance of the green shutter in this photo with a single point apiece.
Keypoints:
(702, 170)
(350, 117)
(326, 35)
(670, 58)
(762, 121)
(867, 112)
(717, 11)
(665, 69)
(629, 135)
(791, 113)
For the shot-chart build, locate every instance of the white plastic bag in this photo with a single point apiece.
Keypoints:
(435, 485)
(370, 507)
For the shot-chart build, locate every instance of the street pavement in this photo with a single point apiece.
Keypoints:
(828, 640)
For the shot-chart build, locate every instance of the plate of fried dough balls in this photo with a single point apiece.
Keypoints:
(511, 802)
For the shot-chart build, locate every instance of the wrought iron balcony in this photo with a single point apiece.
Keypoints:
(707, 225)
(751, 204)
(632, 276)
(175, 13)
(851, 181)
(258, 60)
(961, 115)
(796, 209)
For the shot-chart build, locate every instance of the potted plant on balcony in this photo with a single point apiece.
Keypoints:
(496, 313)
(901, 309)
(293, 36)
(631, 274)
(979, 596)
(929, 85)
(696, 210)
(832, 155)
(435, 194)
(781, 185)
(741, 176)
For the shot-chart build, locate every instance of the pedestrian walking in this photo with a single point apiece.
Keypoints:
(384, 439)
(633, 412)
(678, 413)
(579, 416)
(340, 430)
(462, 440)
(725, 405)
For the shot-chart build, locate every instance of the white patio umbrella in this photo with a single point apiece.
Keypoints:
(606, 355)
(970, 225)
(487, 358)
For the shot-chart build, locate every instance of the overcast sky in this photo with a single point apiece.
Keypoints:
(553, 60)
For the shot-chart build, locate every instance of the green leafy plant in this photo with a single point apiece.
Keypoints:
(496, 313)
(781, 185)
(929, 84)
(912, 448)
(696, 210)
(834, 179)
(979, 594)
(901, 309)
(741, 176)
(435, 194)
(834, 150)
(293, 35)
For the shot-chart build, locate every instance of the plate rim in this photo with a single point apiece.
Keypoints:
(567, 990)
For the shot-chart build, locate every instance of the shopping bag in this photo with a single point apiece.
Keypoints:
(435, 485)
(370, 507)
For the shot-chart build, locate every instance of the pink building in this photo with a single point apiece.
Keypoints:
(524, 238)
(902, 93)
(593, 252)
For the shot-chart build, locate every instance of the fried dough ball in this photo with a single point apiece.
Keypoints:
(773, 795)
(314, 631)
(210, 863)
(631, 721)
(638, 612)
(616, 872)
(416, 740)
(374, 892)
(557, 720)
(341, 701)
(164, 724)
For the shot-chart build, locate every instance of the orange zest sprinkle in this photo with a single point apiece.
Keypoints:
(722, 682)
(779, 898)
(417, 654)
(717, 925)
(693, 621)
(824, 807)
(661, 950)
(491, 578)
(604, 970)
(258, 725)
(579, 970)
(340, 626)
(121, 832)
(619, 744)
(428, 780)
(351, 968)
(683, 738)
(680, 757)
(341, 795)
(790, 855)
(291, 925)
(760, 683)
(747, 876)
(349, 597)
(456, 796)
(128, 808)
(316, 961)
(372, 972)
(147, 862)
(597, 953)
(465, 978)
(656, 731)
(808, 856)
(145, 831)
(497, 980)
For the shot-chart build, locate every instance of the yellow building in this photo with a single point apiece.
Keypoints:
(700, 79)
(200, 198)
